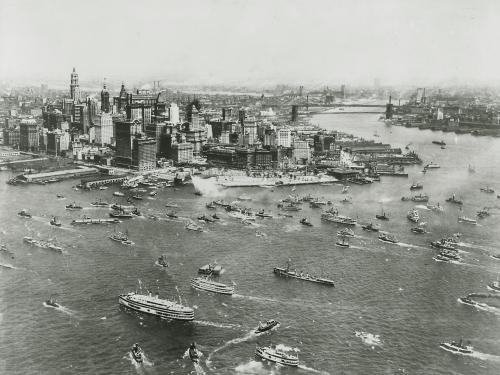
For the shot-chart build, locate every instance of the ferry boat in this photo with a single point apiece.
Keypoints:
(457, 347)
(55, 221)
(278, 356)
(420, 198)
(137, 353)
(121, 237)
(440, 143)
(416, 186)
(432, 166)
(162, 261)
(204, 283)
(413, 216)
(387, 237)
(24, 213)
(268, 325)
(99, 203)
(339, 219)
(487, 189)
(121, 214)
(345, 232)
(453, 199)
(162, 308)
(73, 206)
(210, 269)
(467, 220)
(286, 272)
(370, 227)
(118, 194)
(305, 222)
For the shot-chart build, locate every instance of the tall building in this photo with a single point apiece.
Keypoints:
(105, 107)
(301, 151)
(104, 129)
(295, 113)
(174, 113)
(144, 153)
(74, 87)
(123, 135)
(284, 137)
(120, 101)
(28, 135)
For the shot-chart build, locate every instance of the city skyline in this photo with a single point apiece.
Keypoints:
(257, 43)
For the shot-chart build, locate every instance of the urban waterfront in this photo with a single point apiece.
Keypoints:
(391, 306)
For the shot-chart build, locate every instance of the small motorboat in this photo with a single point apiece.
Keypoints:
(162, 261)
(55, 221)
(342, 243)
(60, 196)
(210, 206)
(172, 214)
(456, 347)
(453, 199)
(440, 143)
(418, 230)
(73, 206)
(215, 216)
(244, 197)
(416, 186)
(263, 327)
(345, 232)
(306, 222)
(487, 189)
(193, 353)
(137, 354)
(99, 203)
(118, 194)
(52, 303)
(24, 213)
(153, 194)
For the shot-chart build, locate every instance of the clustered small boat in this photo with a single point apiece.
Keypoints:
(162, 261)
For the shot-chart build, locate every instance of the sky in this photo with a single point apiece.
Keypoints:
(252, 42)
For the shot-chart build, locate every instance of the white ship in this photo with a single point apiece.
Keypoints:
(336, 218)
(202, 283)
(154, 305)
(278, 356)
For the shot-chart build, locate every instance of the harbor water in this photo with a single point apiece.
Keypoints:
(391, 306)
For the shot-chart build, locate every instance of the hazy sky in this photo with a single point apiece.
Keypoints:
(258, 42)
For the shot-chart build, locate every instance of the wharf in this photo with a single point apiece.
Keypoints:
(94, 221)
(245, 181)
(64, 173)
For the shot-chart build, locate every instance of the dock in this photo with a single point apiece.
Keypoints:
(245, 181)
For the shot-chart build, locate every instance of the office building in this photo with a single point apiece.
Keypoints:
(105, 106)
(28, 135)
(174, 113)
(284, 137)
(144, 153)
(74, 87)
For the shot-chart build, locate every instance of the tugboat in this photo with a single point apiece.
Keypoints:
(418, 230)
(52, 303)
(420, 198)
(287, 272)
(487, 189)
(483, 213)
(456, 347)
(370, 227)
(205, 218)
(278, 356)
(55, 221)
(453, 199)
(121, 214)
(416, 186)
(162, 261)
(436, 208)
(263, 214)
(440, 143)
(342, 243)
(382, 216)
(210, 269)
(305, 222)
(387, 237)
(193, 353)
(24, 213)
(172, 214)
(432, 165)
(413, 216)
(270, 324)
(73, 206)
(137, 354)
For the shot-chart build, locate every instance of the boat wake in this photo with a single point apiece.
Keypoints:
(138, 366)
(402, 244)
(61, 308)
(253, 368)
(369, 338)
(9, 266)
(252, 298)
(305, 368)
(218, 325)
(248, 336)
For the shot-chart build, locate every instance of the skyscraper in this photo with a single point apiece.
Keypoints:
(174, 113)
(74, 87)
(105, 99)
